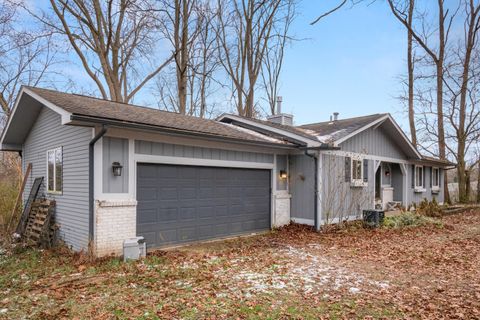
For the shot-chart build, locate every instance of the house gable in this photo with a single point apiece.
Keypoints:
(374, 141)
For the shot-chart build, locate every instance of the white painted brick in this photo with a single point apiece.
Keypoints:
(282, 209)
(115, 221)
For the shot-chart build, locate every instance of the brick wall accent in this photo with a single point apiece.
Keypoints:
(115, 221)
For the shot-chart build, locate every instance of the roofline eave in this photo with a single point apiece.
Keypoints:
(134, 125)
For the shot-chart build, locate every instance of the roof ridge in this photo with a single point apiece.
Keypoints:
(116, 102)
(345, 119)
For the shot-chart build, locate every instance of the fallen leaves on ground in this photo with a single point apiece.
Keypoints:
(424, 272)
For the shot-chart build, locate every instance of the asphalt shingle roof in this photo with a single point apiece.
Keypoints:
(109, 110)
(330, 131)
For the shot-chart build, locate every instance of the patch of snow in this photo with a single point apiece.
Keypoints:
(354, 290)
(301, 270)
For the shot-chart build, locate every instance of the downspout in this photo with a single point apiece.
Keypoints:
(315, 194)
(91, 184)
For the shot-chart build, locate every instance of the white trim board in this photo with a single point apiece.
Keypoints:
(366, 156)
(201, 162)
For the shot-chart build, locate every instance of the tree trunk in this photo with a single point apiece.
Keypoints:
(478, 181)
(468, 189)
(411, 111)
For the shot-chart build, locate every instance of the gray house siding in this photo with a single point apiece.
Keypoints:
(281, 165)
(115, 150)
(427, 194)
(373, 142)
(72, 205)
(175, 150)
(302, 187)
(339, 199)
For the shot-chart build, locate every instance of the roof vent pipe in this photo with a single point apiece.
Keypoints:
(279, 104)
(335, 116)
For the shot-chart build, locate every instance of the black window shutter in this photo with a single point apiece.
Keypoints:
(424, 176)
(431, 177)
(348, 168)
(365, 170)
(413, 176)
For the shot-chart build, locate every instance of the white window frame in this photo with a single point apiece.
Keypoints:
(419, 188)
(437, 173)
(54, 190)
(359, 181)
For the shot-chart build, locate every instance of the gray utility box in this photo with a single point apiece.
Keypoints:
(134, 248)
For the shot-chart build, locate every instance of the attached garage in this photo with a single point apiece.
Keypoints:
(179, 204)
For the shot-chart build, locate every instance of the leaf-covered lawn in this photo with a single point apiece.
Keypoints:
(423, 272)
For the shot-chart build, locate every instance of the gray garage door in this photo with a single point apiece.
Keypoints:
(179, 204)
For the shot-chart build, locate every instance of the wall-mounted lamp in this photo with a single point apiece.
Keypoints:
(387, 173)
(283, 174)
(117, 169)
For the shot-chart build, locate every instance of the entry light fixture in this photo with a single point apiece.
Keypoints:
(283, 174)
(117, 169)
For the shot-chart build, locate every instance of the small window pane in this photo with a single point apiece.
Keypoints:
(356, 169)
(51, 164)
(58, 170)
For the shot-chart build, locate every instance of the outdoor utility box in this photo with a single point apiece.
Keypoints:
(134, 248)
(373, 218)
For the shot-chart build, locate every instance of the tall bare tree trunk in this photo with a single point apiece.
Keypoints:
(439, 64)
(470, 41)
(478, 180)
(181, 47)
(411, 111)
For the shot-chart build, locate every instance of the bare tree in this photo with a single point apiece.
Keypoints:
(244, 32)
(472, 26)
(26, 55)
(189, 27)
(444, 24)
(114, 41)
(274, 54)
(411, 70)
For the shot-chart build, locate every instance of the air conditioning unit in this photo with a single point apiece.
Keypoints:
(134, 248)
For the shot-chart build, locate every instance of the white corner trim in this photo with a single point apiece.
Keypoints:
(201, 162)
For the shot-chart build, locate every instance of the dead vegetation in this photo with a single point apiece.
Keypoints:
(431, 271)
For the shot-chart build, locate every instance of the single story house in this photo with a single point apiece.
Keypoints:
(118, 171)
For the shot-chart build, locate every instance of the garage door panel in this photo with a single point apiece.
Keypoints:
(179, 204)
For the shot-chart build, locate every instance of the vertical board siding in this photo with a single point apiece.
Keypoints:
(71, 206)
(302, 186)
(427, 194)
(282, 165)
(339, 199)
(115, 150)
(374, 142)
(175, 150)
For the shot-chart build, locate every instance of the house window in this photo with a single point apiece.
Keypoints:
(357, 170)
(419, 183)
(55, 170)
(435, 178)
